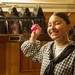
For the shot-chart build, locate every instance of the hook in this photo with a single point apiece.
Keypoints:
(69, 14)
(38, 5)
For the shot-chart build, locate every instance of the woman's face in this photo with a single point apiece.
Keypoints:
(58, 28)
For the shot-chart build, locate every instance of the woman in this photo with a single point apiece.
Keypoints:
(58, 56)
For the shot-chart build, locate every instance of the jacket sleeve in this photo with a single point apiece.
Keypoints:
(32, 50)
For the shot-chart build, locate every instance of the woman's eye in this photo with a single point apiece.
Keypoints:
(49, 25)
(57, 23)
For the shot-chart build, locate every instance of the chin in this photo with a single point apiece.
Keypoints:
(54, 38)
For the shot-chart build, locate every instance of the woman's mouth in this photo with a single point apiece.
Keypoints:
(54, 33)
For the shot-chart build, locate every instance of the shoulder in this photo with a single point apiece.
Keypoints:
(73, 43)
(73, 53)
(47, 45)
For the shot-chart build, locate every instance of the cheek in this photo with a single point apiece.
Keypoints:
(63, 30)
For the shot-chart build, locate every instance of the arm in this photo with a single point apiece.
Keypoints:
(31, 47)
(33, 50)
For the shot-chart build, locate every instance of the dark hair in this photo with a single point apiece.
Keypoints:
(71, 32)
(63, 16)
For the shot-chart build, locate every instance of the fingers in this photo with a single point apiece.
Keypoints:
(36, 28)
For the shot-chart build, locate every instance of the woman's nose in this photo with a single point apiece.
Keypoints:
(52, 27)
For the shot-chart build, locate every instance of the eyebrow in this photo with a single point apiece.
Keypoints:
(55, 21)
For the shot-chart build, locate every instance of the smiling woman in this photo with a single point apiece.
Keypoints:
(56, 54)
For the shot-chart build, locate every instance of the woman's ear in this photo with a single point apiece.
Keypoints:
(70, 26)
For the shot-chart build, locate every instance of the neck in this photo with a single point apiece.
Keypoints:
(62, 42)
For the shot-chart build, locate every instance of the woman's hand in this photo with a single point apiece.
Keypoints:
(36, 31)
